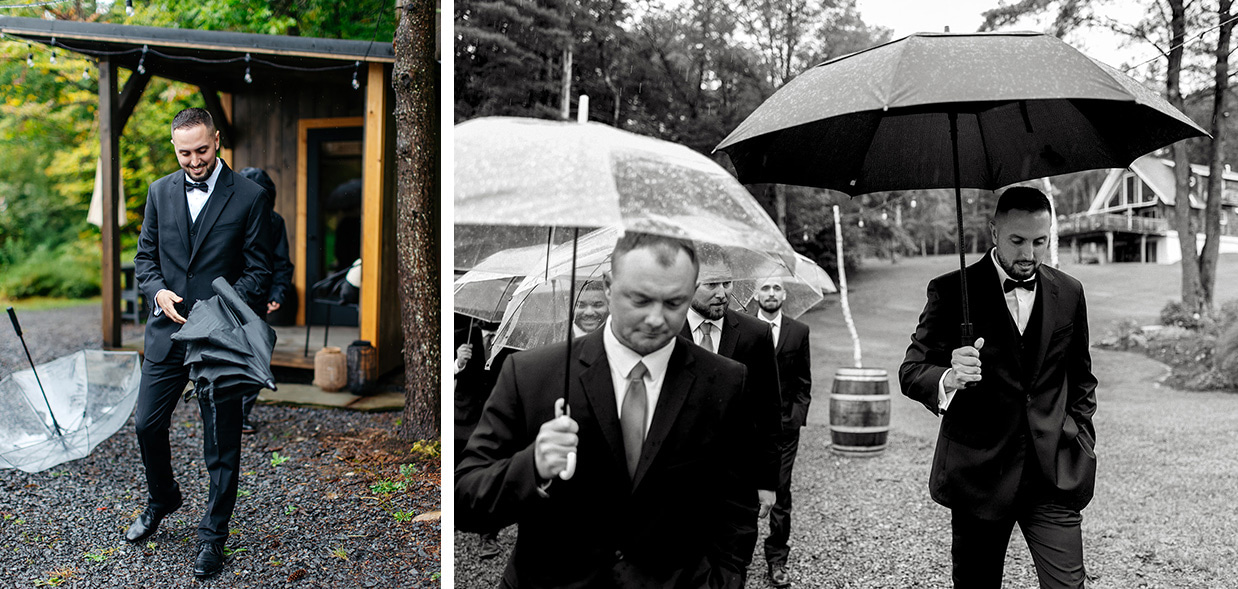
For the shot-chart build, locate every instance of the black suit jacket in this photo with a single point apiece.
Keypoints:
(794, 373)
(669, 526)
(978, 465)
(750, 341)
(233, 241)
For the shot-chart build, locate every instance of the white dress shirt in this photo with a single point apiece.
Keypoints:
(622, 359)
(197, 198)
(694, 324)
(1019, 303)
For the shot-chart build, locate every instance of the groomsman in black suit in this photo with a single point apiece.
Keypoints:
(632, 486)
(713, 325)
(1016, 444)
(201, 222)
(795, 380)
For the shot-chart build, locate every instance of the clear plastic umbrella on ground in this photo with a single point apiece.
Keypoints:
(59, 411)
(939, 110)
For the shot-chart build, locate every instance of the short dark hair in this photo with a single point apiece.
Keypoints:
(192, 117)
(665, 248)
(592, 284)
(260, 177)
(1022, 198)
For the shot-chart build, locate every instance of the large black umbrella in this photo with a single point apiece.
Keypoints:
(226, 345)
(939, 110)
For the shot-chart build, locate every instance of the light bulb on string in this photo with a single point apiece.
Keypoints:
(85, 74)
(248, 78)
(128, 7)
(861, 223)
(53, 59)
(142, 61)
(913, 203)
(29, 60)
(355, 84)
(885, 216)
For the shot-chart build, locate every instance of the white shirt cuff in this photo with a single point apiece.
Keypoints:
(158, 310)
(943, 397)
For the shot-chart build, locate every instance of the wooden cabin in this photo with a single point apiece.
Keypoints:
(316, 114)
(1130, 219)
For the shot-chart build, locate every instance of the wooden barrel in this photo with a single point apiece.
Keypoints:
(859, 411)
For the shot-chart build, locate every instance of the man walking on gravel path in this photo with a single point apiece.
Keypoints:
(201, 223)
(795, 384)
(632, 486)
(1016, 443)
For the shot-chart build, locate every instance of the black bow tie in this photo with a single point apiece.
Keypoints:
(203, 186)
(1029, 284)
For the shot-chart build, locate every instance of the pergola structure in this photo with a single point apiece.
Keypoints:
(267, 94)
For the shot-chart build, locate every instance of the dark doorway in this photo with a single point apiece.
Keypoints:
(333, 214)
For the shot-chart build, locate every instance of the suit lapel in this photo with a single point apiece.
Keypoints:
(730, 335)
(1048, 310)
(214, 206)
(599, 391)
(180, 209)
(675, 389)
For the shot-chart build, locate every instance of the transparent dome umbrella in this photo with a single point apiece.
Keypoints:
(484, 291)
(534, 317)
(59, 411)
(515, 172)
(939, 110)
(806, 286)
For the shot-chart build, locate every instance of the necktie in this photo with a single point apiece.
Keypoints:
(707, 340)
(203, 186)
(773, 330)
(632, 417)
(1010, 285)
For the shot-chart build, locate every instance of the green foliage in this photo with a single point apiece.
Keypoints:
(426, 448)
(277, 460)
(403, 516)
(360, 19)
(385, 487)
(70, 270)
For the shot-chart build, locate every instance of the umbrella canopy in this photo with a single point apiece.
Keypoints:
(535, 315)
(227, 344)
(981, 110)
(515, 171)
(484, 291)
(805, 287)
(1027, 105)
(91, 394)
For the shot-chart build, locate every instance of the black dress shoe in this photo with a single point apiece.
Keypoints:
(778, 575)
(210, 559)
(148, 521)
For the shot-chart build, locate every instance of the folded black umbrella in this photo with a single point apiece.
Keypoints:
(227, 346)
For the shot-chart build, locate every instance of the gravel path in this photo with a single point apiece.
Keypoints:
(339, 512)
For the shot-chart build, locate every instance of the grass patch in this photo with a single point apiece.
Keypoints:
(44, 303)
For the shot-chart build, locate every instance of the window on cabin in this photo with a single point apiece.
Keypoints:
(1129, 190)
(1229, 192)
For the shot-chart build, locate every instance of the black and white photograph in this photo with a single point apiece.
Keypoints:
(843, 294)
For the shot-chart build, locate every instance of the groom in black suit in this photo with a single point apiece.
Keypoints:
(1016, 443)
(201, 223)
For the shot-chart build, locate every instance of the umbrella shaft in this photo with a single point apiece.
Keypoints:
(965, 328)
(29, 358)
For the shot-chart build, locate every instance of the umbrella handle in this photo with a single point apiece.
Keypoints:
(13, 318)
(29, 358)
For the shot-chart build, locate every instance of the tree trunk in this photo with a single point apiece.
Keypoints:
(1191, 290)
(415, 78)
(565, 85)
(1216, 164)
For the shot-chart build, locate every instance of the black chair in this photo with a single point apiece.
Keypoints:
(132, 301)
(332, 291)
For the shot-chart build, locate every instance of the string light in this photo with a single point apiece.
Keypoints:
(29, 55)
(85, 74)
(142, 61)
(128, 7)
(355, 84)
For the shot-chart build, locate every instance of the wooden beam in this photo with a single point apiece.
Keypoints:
(109, 153)
(372, 204)
(129, 97)
(227, 134)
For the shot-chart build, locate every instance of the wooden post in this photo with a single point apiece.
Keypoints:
(372, 192)
(109, 153)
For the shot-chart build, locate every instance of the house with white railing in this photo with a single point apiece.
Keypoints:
(1131, 218)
